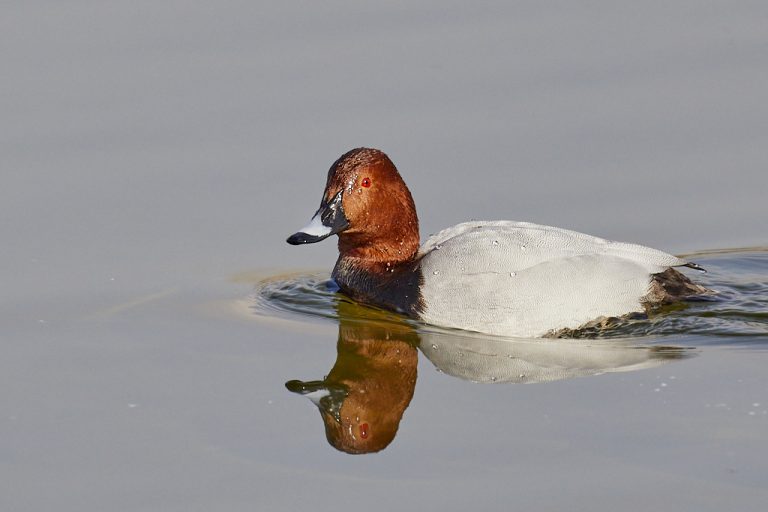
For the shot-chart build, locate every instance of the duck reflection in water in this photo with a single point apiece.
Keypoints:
(364, 396)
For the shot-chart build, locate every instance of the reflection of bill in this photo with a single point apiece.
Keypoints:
(364, 396)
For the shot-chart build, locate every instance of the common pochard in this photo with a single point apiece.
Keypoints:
(497, 277)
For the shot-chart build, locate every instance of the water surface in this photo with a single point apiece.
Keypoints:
(150, 151)
(362, 399)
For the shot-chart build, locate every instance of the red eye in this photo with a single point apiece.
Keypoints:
(366, 182)
(364, 430)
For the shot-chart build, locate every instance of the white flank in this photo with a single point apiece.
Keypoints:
(520, 279)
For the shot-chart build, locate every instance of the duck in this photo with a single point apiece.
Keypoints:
(502, 278)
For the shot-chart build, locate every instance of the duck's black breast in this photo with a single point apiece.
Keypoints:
(395, 287)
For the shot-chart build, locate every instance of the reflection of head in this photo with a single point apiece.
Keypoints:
(363, 398)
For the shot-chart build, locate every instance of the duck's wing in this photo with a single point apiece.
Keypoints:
(521, 279)
(528, 244)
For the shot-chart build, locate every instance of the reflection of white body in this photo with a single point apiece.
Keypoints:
(482, 359)
(521, 279)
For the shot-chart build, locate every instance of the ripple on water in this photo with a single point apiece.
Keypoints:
(740, 308)
(313, 294)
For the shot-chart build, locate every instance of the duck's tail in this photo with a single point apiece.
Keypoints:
(673, 286)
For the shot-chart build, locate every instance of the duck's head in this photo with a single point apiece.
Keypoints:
(367, 204)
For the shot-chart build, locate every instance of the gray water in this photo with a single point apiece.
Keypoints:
(155, 155)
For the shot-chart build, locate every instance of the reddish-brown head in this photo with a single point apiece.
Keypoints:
(369, 206)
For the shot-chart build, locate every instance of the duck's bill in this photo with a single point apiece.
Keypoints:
(328, 220)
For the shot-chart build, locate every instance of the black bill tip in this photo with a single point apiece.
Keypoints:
(303, 238)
